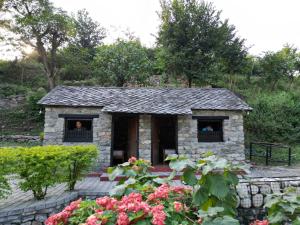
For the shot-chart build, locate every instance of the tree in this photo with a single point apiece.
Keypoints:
(89, 34)
(194, 38)
(122, 63)
(282, 64)
(39, 24)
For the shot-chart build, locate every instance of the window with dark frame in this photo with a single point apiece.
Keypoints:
(210, 130)
(78, 130)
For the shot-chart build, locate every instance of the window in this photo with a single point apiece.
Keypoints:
(210, 130)
(78, 127)
(78, 130)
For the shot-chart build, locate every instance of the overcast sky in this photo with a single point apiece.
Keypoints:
(265, 24)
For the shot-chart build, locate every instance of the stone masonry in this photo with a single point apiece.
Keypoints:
(145, 137)
(54, 129)
(233, 146)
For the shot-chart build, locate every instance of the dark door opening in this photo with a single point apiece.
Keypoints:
(124, 138)
(164, 137)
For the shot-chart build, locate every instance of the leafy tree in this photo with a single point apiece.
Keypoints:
(122, 63)
(282, 64)
(194, 39)
(39, 24)
(89, 34)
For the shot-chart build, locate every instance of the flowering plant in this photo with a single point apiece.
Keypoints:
(163, 205)
(136, 177)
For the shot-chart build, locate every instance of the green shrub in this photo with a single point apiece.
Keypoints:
(41, 167)
(78, 162)
(283, 208)
(7, 161)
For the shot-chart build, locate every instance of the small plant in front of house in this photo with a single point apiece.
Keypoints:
(216, 185)
(136, 177)
(283, 207)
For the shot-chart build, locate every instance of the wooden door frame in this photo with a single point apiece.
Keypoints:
(176, 131)
(113, 117)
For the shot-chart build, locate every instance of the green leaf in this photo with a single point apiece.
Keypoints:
(217, 186)
(277, 217)
(189, 177)
(200, 196)
(180, 164)
(212, 211)
(114, 172)
(296, 221)
(118, 190)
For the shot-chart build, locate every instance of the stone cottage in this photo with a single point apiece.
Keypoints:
(149, 123)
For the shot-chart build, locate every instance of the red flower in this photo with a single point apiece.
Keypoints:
(122, 219)
(92, 220)
(162, 192)
(178, 206)
(258, 222)
(61, 217)
(159, 216)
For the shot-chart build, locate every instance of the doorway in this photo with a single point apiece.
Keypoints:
(124, 138)
(163, 137)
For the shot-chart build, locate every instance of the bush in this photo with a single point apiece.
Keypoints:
(7, 162)
(139, 199)
(41, 167)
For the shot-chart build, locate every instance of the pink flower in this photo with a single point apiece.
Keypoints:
(92, 220)
(132, 159)
(107, 202)
(73, 205)
(162, 192)
(258, 222)
(61, 217)
(122, 219)
(159, 216)
(178, 206)
(180, 189)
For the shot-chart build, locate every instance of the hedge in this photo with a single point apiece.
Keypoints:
(41, 167)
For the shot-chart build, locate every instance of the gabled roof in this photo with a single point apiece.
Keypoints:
(145, 100)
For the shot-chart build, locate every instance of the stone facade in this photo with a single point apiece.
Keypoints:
(54, 129)
(233, 134)
(232, 148)
(145, 137)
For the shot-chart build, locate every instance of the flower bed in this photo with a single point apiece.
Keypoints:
(143, 199)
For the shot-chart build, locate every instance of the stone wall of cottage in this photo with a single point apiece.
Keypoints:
(54, 130)
(145, 137)
(233, 146)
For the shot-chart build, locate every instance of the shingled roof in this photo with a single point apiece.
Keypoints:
(145, 100)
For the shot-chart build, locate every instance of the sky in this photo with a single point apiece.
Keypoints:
(265, 24)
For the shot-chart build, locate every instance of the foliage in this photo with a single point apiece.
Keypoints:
(6, 167)
(136, 177)
(18, 76)
(269, 121)
(216, 185)
(283, 207)
(46, 31)
(194, 38)
(282, 64)
(41, 167)
(89, 34)
(121, 63)
(164, 205)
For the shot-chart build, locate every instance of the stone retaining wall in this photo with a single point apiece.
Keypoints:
(20, 138)
(252, 194)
